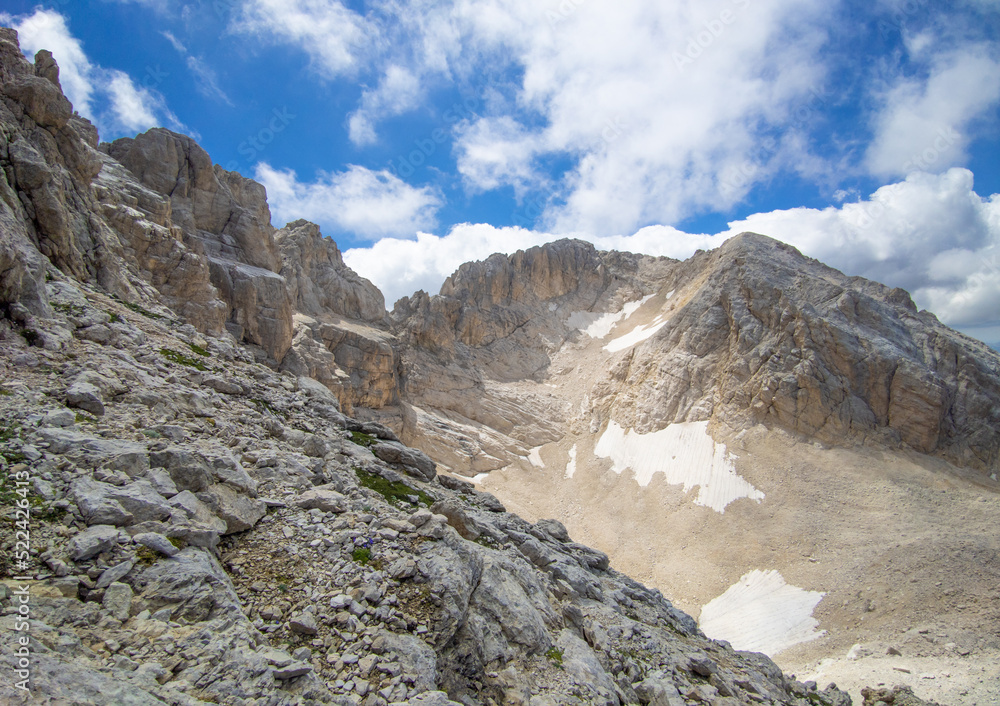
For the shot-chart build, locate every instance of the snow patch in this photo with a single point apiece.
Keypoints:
(762, 613)
(686, 454)
(479, 478)
(535, 457)
(599, 325)
(571, 466)
(637, 335)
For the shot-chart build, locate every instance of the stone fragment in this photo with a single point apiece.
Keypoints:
(324, 499)
(413, 461)
(116, 572)
(118, 600)
(304, 624)
(156, 542)
(92, 541)
(85, 396)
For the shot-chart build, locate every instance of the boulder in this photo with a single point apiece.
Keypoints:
(92, 541)
(85, 396)
(324, 499)
(413, 461)
(238, 511)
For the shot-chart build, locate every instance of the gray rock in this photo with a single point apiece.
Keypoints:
(59, 418)
(554, 528)
(162, 482)
(188, 471)
(219, 384)
(457, 518)
(92, 541)
(304, 624)
(432, 698)
(118, 600)
(238, 511)
(658, 692)
(156, 542)
(114, 574)
(295, 669)
(102, 503)
(85, 396)
(324, 499)
(415, 462)
(191, 583)
(97, 505)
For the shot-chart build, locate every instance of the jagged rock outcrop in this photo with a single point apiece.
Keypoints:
(762, 334)
(224, 216)
(49, 158)
(340, 336)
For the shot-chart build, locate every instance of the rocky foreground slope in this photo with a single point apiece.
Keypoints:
(207, 530)
(184, 397)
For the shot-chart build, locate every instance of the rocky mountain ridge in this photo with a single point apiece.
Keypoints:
(196, 397)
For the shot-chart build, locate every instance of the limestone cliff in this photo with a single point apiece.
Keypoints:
(751, 332)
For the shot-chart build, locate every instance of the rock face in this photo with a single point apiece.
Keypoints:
(750, 333)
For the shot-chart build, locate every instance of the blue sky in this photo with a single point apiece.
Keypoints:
(426, 133)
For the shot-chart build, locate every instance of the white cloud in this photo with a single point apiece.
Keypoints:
(930, 234)
(366, 203)
(175, 42)
(397, 92)
(131, 105)
(109, 97)
(924, 123)
(497, 151)
(206, 80)
(330, 33)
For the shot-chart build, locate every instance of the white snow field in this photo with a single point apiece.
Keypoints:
(600, 325)
(637, 335)
(762, 613)
(686, 454)
(571, 466)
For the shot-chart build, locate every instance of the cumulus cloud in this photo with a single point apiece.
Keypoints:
(359, 201)
(109, 97)
(924, 122)
(930, 234)
(330, 33)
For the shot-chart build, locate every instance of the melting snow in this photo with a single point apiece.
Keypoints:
(637, 335)
(686, 454)
(535, 456)
(479, 478)
(600, 325)
(571, 466)
(762, 613)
